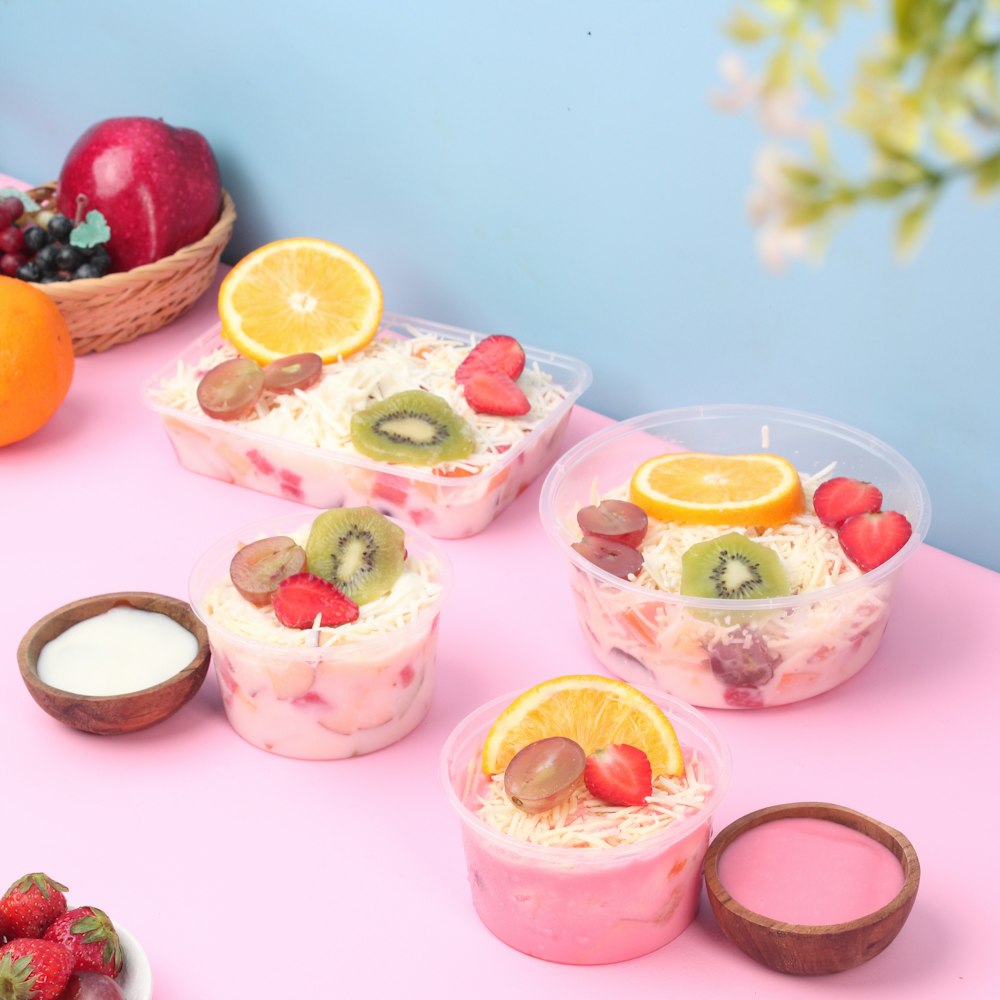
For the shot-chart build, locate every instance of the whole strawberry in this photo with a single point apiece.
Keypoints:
(32, 969)
(30, 905)
(88, 934)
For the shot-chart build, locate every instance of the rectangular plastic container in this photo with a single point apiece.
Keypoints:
(444, 507)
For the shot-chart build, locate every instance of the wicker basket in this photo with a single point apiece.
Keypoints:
(103, 312)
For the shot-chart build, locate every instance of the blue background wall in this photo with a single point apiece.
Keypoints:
(553, 169)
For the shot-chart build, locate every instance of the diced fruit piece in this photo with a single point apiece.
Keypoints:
(614, 520)
(413, 426)
(544, 773)
(732, 567)
(743, 698)
(91, 986)
(11, 209)
(30, 905)
(258, 567)
(592, 710)
(90, 937)
(869, 540)
(701, 488)
(619, 560)
(229, 390)
(496, 394)
(33, 969)
(298, 295)
(619, 775)
(840, 498)
(743, 660)
(498, 353)
(358, 550)
(300, 598)
(297, 371)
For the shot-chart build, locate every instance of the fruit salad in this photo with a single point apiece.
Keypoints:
(586, 810)
(731, 580)
(429, 424)
(323, 630)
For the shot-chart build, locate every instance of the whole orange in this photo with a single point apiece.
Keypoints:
(36, 359)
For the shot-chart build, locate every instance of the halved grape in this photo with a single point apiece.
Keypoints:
(297, 371)
(615, 520)
(258, 568)
(544, 773)
(229, 390)
(743, 660)
(615, 558)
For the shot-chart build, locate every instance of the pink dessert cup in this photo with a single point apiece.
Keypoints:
(585, 906)
(815, 640)
(322, 702)
(443, 506)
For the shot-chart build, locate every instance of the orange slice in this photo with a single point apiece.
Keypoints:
(296, 296)
(594, 711)
(699, 488)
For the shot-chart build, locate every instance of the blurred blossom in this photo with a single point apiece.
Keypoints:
(769, 203)
(779, 244)
(780, 113)
(742, 87)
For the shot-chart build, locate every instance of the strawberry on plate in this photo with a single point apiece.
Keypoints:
(90, 937)
(498, 353)
(840, 498)
(619, 775)
(30, 905)
(869, 540)
(495, 393)
(33, 969)
(302, 596)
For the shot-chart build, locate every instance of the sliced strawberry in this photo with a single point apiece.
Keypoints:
(619, 774)
(838, 499)
(34, 969)
(498, 353)
(494, 392)
(870, 539)
(90, 937)
(300, 598)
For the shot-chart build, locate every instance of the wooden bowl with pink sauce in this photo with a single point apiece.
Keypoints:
(130, 697)
(824, 890)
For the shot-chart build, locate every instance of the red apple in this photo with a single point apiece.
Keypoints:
(157, 186)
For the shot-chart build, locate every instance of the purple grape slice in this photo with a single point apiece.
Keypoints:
(297, 371)
(544, 773)
(617, 559)
(258, 568)
(229, 390)
(614, 520)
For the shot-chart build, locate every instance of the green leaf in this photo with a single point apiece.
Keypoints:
(815, 77)
(987, 174)
(780, 70)
(746, 29)
(805, 213)
(30, 205)
(912, 226)
(885, 188)
(92, 231)
(802, 176)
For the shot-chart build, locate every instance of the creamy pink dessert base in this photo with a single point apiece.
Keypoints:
(585, 905)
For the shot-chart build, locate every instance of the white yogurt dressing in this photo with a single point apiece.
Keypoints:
(117, 652)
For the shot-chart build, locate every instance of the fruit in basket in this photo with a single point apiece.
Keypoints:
(732, 567)
(33, 969)
(89, 936)
(30, 905)
(300, 295)
(412, 426)
(158, 186)
(36, 362)
(358, 550)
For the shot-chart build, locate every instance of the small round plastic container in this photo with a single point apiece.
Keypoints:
(812, 641)
(585, 906)
(322, 702)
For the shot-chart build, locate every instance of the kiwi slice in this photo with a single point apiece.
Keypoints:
(358, 550)
(415, 427)
(733, 567)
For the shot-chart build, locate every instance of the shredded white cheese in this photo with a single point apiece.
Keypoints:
(585, 821)
(414, 591)
(320, 416)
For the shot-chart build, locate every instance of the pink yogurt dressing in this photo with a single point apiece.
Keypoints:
(801, 870)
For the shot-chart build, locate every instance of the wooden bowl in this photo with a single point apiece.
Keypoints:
(120, 713)
(801, 949)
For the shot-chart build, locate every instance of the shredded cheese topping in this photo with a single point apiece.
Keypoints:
(414, 591)
(320, 416)
(585, 821)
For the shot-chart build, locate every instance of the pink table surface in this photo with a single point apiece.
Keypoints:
(234, 867)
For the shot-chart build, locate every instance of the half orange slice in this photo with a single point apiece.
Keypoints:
(702, 488)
